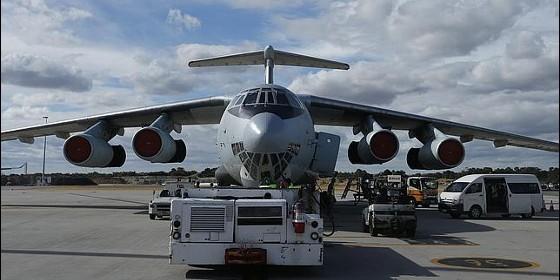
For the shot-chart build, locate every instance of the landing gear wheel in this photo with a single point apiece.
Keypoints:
(475, 212)
(372, 230)
(455, 215)
(152, 216)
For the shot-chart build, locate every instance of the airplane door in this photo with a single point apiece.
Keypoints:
(473, 196)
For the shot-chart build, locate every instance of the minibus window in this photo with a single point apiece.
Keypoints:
(456, 187)
(475, 188)
(524, 188)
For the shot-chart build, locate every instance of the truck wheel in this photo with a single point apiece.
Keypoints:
(529, 215)
(152, 216)
(411, 232)
(475, 212)
(372, 230)
(455, 215)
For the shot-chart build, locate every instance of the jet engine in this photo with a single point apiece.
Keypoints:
(157, 146)
(440, 153)
(90, 151)
(376, 147)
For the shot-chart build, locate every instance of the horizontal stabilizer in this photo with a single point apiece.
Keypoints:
(260, 57)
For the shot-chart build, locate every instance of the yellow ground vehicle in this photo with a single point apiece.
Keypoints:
(423, 189)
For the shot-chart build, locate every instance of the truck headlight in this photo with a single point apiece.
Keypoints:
(176, 235)
(176, 223)
(314, 236)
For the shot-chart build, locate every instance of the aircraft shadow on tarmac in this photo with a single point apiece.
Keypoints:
(341, 262)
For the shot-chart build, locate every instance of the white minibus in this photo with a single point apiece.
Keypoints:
(492, 194)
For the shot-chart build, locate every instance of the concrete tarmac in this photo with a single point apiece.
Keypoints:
(94, 233)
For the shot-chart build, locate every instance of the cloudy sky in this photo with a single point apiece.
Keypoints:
(487, 63)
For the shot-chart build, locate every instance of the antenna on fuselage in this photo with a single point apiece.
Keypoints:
(269, 57)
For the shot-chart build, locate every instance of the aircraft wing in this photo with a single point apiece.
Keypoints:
(326, 111)
(199, 111)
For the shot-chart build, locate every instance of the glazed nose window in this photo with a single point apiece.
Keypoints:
(251, 98)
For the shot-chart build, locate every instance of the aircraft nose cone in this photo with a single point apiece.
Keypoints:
(265, 133)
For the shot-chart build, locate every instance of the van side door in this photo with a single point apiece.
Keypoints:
(473, 196)
(520, 197)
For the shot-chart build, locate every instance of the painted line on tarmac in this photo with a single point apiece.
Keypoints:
(114, 207)
(108, 198)
(378, 245)
(83, 254)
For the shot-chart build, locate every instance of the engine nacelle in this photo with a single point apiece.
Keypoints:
(376, 147)
(443, 153)
(157, 146)
(90, 151)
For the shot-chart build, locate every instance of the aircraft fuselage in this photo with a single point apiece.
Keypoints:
(266, 134)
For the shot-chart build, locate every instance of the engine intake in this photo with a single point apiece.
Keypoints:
(157, 146)
(375, 148)
(89, 151)
(442, 153)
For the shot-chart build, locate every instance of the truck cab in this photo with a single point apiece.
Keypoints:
(160, 204)
(423, 189)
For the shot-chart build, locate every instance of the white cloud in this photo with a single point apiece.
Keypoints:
(366, 82)
(37, 23)
(451, 28)
(168, 73)
(182, 20)
(525, 44)
(39, 72)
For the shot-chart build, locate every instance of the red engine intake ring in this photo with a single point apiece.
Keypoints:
(77, 149)
(147, 142)
(384, 145)
(451, 152)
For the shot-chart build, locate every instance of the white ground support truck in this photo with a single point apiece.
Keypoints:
(160, 204)
(257, 226)
(391, 210)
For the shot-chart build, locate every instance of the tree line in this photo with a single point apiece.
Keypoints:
(545, 176)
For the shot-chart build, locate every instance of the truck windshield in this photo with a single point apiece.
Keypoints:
(456, 187)
(429, 183)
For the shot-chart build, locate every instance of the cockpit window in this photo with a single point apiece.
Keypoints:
(281, 98)
(278, 101)
(239, 100)
(292, 101)
(269, 98)
(262, 97)
(251, 98)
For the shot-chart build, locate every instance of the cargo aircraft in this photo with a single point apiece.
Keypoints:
(266, 133)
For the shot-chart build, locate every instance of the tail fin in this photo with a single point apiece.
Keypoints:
(269, 57)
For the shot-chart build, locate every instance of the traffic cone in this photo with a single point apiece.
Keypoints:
(551, 208)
